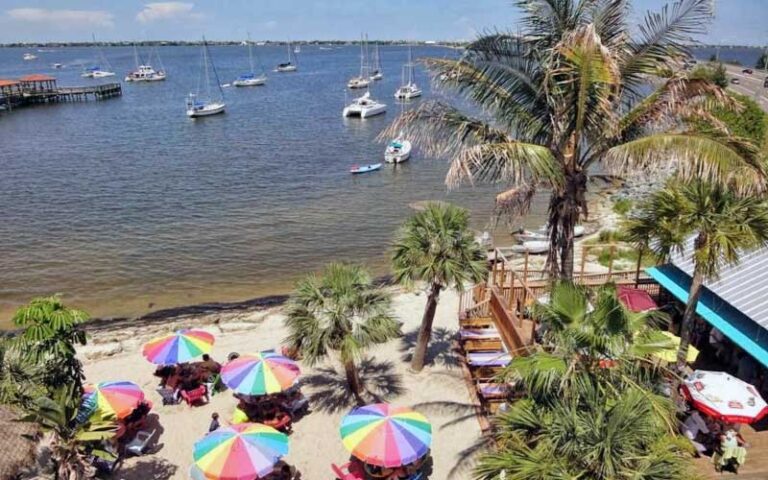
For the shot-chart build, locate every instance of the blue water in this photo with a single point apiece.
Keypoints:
(126, 206)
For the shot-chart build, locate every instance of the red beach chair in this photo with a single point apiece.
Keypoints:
(348, 471)
(193, 396)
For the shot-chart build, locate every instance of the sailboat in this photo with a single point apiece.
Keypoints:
(250, 79)
(291, 65)
(198, 106)
(297, 49)
(408, 89)
(96, 71)
(362, 80)
(377, 73)
(29, 56)
(399, 149)
(145, 72)
(364, 107)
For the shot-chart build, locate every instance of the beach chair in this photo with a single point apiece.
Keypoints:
(484, 345)
(140, 442)
(348, 471)
(167, 395)
(194, 396)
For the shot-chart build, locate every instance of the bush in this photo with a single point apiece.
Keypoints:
(750, 123)
(762, 62)
(622, 206)
(714, 72)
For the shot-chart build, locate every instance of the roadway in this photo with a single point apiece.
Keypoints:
(751, 85)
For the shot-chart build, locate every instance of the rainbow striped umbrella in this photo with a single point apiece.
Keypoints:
(387, 436)
(116, 399)
(178, 347)
(240, 452)
(260, 373)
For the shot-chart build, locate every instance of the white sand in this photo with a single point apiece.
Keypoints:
(315, 442)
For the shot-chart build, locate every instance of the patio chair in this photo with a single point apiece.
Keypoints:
(140, 442)
(194, 396)
(167, 395)
(348, 471)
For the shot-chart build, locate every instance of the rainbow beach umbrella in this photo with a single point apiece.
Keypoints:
(386, 436)
(260, 373)
(116, 399)
(240, 452)
(179, 347)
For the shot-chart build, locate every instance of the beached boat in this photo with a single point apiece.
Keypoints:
(408, 88)
(362, 80)
(29, 56)
(541, 235)
(291, 65)
(532, 246)
(144, 71)
(398, 150)
(365, 168)
(364, 107)
(251, 79)
(204, 106)
(377, 73)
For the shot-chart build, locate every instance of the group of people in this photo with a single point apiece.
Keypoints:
(188, 377)
(277, 410)
(711, 437)
(403, 472)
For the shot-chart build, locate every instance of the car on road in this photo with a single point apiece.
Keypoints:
(735, 81)
(748, 71)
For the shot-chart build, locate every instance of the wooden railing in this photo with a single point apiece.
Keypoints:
(509, 325)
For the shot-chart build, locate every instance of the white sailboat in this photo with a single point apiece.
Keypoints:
(399, 149)
(199, 106)
(364, 107)
(144, 71)
(250, 79)
(97, 71)
(291, 65)
(408, 89)
(377, 73)
(362, 80)
(297, 49)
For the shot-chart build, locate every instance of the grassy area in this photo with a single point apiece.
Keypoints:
(623, 253)
(622, 206)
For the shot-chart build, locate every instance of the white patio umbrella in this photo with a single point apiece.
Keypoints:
(724, 397)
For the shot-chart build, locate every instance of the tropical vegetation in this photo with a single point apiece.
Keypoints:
(436, 246)
(593, 407)
(569, 92)
(705, 221)
(762, 62)
(340, 312)
(713, 71)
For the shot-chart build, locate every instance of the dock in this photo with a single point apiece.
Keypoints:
(34, 89)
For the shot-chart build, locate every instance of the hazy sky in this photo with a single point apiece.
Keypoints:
(738, 21)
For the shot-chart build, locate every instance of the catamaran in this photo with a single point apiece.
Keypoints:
(250, 79)
(199, 106)
(96, 71)
(144, 71)
(362, 80)
(291, 65)
(409, 89)
(377, 73)
(364, 107)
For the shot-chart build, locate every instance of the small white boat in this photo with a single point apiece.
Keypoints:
(291, 65)
(144, 71)
(528, 235)
(364, 107)
(103, 74)
(408, 89)
(398, 150)
(532, 246)
(355, 169)
(208, 105)
(57, 66)
(358, 82)
(251, 79)
(29, 56)
(297, 49)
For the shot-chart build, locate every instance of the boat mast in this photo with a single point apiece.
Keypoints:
(136, 56)
(250, 54)
(410, 66)
(362, 55)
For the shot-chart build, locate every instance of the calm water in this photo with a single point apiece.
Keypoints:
(126, 206)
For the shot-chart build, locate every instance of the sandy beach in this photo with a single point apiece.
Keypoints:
(439, 392)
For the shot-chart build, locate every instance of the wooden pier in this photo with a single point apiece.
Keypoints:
(34, 89)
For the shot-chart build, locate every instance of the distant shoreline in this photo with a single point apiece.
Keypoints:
(186, 43)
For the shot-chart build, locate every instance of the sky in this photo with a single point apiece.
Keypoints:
(743, 22)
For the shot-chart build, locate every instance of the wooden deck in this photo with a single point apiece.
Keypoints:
(756, 466)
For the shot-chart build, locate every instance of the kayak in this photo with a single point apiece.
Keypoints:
(365, 168)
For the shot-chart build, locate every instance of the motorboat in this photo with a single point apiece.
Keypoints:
(144, 72)
(398, 150)
(250, 79)
(408, 88)
(355, 169)
(364, 107)
(29, 56)
(291, 65)
(199, 106)
(535, 247)
(358, 82)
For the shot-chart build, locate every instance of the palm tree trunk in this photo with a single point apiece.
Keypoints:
(565, 210)
(353, 380)
(688, 316)
(425, 332)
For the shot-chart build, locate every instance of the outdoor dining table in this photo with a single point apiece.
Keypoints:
(489, 359)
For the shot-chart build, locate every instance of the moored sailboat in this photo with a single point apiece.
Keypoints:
(251, 79)
(291, 65)
(364, 107)
(377, 73)
(362, 80)
(408, 89)
(198, 106)
(97, 71)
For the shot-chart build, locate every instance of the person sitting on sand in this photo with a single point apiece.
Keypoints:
(293, 402)
(214, 423)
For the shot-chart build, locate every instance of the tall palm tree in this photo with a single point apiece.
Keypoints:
(436, 246)
(569, 92)
(721, 224)
(50, 333)
(340, 312)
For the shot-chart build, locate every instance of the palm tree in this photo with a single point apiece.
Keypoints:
(20, 379)
(436, 246)
(569, 92)
(71, 441)
(720, 224)
(51, 331)
(340, 312)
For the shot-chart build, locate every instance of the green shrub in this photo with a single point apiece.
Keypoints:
(622, 206)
